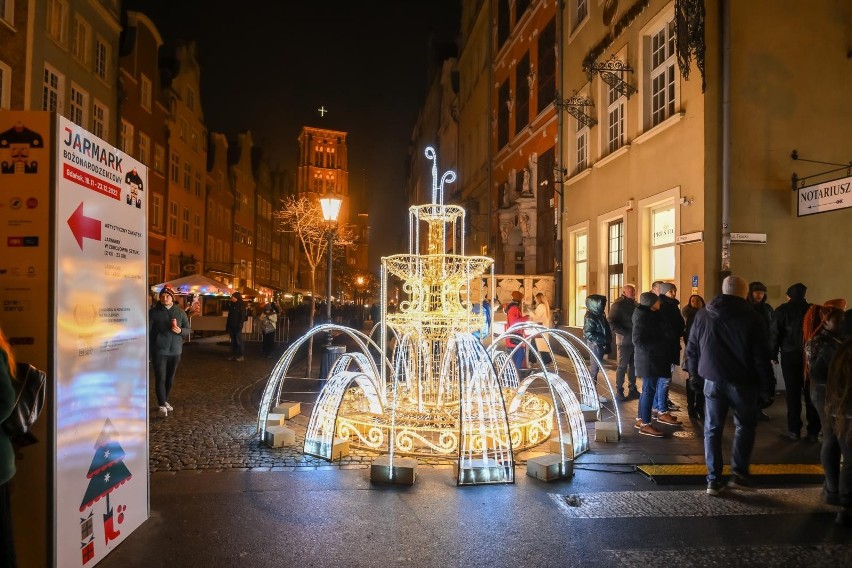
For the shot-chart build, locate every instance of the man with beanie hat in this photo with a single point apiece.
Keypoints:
(650, 356)
(167, 326)
(234, 326)
(757, 299)
(785, 335)
(676, 330)
(728, 347)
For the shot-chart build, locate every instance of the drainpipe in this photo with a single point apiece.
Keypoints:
(557, 197)
(489, 178)
(725, 20)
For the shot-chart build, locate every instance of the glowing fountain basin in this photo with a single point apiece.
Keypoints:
(435, 432)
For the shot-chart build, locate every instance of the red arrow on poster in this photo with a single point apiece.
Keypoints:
(82, 226)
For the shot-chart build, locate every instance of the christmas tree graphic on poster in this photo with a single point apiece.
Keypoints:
(106, 473)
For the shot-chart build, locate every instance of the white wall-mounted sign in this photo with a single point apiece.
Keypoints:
(758, 238)
(695, 237)
(824, 197)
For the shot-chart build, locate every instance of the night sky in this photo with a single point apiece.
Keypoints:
(267, 66)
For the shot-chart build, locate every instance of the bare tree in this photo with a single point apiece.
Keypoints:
(303, 217)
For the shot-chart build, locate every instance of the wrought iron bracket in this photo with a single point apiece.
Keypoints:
(612, 73)
(575, 106)
(799, 182)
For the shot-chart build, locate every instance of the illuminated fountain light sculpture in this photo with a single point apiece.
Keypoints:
(441, 393)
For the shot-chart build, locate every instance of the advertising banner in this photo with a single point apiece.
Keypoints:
(101, 303)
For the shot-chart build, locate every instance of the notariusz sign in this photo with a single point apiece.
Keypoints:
(824, 197)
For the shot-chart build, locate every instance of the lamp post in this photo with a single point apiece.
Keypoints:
(330, 210)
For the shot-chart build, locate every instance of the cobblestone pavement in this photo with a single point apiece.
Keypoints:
(214, 422)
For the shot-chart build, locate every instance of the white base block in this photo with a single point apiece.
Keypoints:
(549, 467)
(481, 471)
(403, 472)
(339, 448)
(275, 419)
(288, 409)
(567, 447)
(589, 414)
(606, 432)
(277, 436)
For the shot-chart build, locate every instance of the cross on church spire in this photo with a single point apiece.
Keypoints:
(322, 110)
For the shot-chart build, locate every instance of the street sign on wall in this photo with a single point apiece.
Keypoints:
(823, 197)
(101, 303)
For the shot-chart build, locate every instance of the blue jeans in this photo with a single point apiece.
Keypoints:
(646, 398)
(719, 396)
(661, 401)
(519, 358)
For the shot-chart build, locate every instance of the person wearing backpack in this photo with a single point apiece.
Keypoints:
(7, 454)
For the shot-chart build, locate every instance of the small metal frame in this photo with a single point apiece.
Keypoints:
(612, 73)
(799, 182)
(575, 106)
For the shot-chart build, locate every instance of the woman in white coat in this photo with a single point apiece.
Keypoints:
(541, 315)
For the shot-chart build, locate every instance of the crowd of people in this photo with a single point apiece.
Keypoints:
(728, 347)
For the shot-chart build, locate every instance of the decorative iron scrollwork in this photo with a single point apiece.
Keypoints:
(575, 106)
(612, 73)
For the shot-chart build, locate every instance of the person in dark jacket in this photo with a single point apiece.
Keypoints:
(234, 326)
(168, 326)
(785, 335)
(597, 333)
(670, 312)
(728, 347)
(819, 352)
(694, 389)
(650, 356)
(838, 415)
(7, 453)
(621, 323)
(757, 299)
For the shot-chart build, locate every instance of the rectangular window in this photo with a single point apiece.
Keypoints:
(155, 273)
(145, 92)
(79, 106)
(663, 243)
(185, 224)
(7, 11)
(663, 73)
(193, 140)
(547, 66)
(615, 119)
(102, 59)
(175, 168)
(126, 142)
(522, 86)
(157, 211)
(615, 258)
(51, 90)
(581, 11)
(182, 128)
(190, 99)
(187, 176)
(503, 115)
(196, 228)
(57, 20)
(581, 245)
(159, 158)
(503, 22)
(100, 119)
(144, 149)
(197, 184)
(174, 266)
(5, 86)
(582, 154)
(173, 218)
(81, 43)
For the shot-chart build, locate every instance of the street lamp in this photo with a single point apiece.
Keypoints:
(330, 210)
